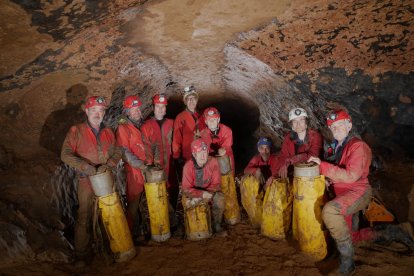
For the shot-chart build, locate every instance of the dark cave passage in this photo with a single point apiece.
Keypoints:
(242, 116)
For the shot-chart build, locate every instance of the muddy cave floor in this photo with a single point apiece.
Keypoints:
(243, 251)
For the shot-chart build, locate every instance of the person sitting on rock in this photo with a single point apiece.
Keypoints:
(260, 165)
(89, 147)
(202, 181)
(218, 137)
(346, 165)
(298, 145)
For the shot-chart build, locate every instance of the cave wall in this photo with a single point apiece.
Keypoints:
(357, 54)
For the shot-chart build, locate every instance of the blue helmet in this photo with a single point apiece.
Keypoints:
(264, 141)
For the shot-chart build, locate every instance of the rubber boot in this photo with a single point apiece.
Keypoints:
(83, 259)
(346, 257)
(220, 232)
(389, 233)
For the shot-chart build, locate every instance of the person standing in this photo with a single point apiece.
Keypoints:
(218, 137)
(129, 139)
(157, 134)
(89, 147)
(186, 126)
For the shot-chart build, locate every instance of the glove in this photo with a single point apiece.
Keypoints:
(221, 152)
(111, 163)
(207, 196)
(143, 167)
(268, 183)
(89, 170)
(259, 176)
(197, 134)
(194, 202)
(103, 168)
(283, 171)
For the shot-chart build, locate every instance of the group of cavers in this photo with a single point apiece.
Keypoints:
(187, 149)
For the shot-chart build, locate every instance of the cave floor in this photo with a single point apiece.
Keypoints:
(243, 251)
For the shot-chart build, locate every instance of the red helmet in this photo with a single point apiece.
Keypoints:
(160, 99)
(95, 101)
(132, 101)
(211, 112)
(198, 145)
(337, 115)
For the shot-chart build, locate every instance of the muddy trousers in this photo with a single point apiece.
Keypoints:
(133, 214)
(83, 225)
(336, 215)
(218, 207)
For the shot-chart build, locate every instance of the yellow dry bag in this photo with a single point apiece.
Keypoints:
(252, 199)
(277, 209)
(228, 187)
(157, 200)
(197, 219)
(309, 188)
(113, 217)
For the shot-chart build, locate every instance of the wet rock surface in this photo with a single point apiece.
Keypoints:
(315, 54)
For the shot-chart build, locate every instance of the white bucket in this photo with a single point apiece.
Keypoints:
(102, 183)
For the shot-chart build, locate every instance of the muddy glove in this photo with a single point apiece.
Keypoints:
(207, 196)
(111, 163)
(103, 168)
(197, 134)
(88, 169)
(268, 183)
(259, 176)
(194, 201)
(283, 171)
(221, 152)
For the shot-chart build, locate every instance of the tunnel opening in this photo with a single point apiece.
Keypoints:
(236, 112)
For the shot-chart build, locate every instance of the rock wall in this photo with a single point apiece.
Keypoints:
(357, 54)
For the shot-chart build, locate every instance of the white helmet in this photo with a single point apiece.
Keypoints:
(189, 90)
(297, 112)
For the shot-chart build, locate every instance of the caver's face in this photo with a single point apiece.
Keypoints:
(264, 151)
(212, 123)
(134, 113)
(201, 157)
(95, 115)
(191, 102)
(159, 111)
(299, 124)
(340, 129)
